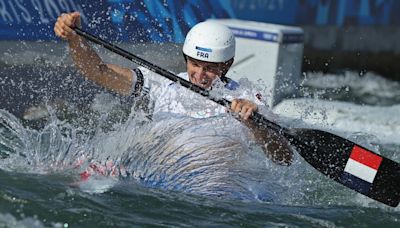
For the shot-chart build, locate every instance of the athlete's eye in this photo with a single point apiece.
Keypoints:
(214, 69)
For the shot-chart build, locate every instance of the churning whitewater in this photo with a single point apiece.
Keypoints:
(214, 156)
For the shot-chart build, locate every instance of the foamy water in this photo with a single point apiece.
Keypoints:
(363, 119)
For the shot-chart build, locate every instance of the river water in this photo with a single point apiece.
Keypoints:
(179, 171)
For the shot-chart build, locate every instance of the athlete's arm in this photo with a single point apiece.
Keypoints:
(88, 62)
(274, 145)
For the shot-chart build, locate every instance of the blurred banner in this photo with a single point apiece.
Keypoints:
(169, 20)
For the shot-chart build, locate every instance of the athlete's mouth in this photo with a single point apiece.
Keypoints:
(204, 81)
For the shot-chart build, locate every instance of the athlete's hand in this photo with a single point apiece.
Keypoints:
(65, 23)
(243, 107)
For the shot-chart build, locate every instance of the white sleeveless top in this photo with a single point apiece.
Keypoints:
(170, 97)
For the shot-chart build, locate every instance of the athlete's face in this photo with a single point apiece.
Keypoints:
(204, 73)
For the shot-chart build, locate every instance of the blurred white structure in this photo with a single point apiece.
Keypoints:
(268, 54)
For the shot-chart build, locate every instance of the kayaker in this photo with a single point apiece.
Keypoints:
(208, 50)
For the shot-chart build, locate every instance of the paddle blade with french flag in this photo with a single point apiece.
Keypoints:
(350, 164)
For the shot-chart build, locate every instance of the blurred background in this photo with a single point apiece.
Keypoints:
(352, 34)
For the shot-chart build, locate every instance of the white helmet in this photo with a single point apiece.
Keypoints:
(210, 41)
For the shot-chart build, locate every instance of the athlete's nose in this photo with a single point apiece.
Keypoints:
(200, 73)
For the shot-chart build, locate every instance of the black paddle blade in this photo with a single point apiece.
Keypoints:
(349, 164)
